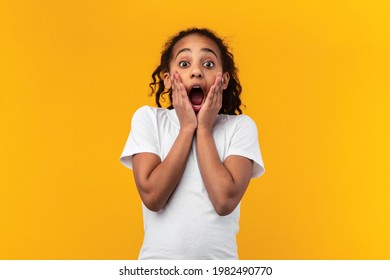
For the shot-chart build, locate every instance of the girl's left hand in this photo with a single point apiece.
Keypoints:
(209, 111)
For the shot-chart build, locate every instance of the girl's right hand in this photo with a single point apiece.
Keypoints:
(182, 104)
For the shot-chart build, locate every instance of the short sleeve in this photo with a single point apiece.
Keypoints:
(244, 142)
(143, 136)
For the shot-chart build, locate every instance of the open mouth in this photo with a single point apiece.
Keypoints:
(196, 97)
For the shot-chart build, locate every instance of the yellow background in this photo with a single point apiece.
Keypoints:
(316, 81)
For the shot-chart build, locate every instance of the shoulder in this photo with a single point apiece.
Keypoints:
(148, 112)
(145, 110)
(147, 116)
(143, 116)
(245, 119)
(237, 121)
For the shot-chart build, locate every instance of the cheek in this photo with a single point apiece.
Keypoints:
(211, 79)
(173, 69)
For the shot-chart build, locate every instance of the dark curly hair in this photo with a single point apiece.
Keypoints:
(231, 101)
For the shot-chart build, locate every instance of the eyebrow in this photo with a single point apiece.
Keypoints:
(203, 49)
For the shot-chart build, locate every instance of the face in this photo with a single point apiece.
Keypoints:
(197, 59)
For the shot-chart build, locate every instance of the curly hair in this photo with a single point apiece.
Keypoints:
(231, 101)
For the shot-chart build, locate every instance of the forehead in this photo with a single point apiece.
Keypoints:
(195, 42)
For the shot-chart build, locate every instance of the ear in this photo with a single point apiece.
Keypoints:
(167, 80)
(225, 80)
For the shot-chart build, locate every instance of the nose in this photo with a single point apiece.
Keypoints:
(196, 73)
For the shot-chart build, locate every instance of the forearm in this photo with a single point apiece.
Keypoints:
(218, 181)
(157, 182)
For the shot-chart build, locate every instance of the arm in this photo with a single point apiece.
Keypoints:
(156, 179)
(226, 182)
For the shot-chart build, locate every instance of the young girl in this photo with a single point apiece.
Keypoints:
(193, 161)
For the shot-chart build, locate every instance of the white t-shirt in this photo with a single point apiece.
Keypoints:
(188, 227)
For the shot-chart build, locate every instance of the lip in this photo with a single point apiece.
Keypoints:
(197, 107)
(196, 86)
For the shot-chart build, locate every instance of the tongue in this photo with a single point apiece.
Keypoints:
(196, 96)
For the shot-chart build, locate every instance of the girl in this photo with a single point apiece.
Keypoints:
(193, 161)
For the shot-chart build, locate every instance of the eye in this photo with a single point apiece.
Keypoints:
(208, 64)
(184, 64)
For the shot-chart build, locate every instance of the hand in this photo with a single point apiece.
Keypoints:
(209, 111)
(182, 104)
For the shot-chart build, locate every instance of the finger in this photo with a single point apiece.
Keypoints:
(210, 95)
(174, 90)
(182, 90)
(174, 83)
(216, 89)
(178, 90)
(220, 82)
(220, 92)
(181, 93)
(219, 99)
(179, 86)
(178, 78)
